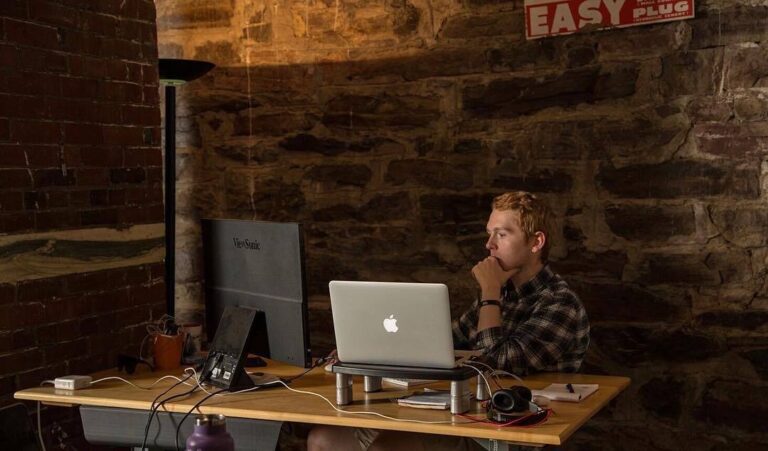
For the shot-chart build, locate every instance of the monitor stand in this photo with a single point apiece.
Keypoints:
(227, 372)
(372, 374)
(225, 366)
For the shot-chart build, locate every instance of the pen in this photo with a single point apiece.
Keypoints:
(570, 388)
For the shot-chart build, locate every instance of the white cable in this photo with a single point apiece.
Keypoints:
(143, 341)
(137, 386)
(242, 391)
(365, 412)
(487, 385)
(196, 377)
(324, 398)
(39, 426)
(470, 362)
(495, 370)
(200, 385)
(507, 373)
(256, 388)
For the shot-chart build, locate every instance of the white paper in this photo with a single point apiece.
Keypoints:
(435, 400)
(560, 392)
(405, 382)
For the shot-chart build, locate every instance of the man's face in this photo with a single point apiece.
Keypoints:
(507, 242)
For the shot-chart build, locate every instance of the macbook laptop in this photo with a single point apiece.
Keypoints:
(392, 323)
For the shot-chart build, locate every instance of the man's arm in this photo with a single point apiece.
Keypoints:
(463, 328)
(537, 343)
(491, 277)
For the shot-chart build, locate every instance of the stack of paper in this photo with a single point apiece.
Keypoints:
(427, 400)
(400, 382)
(560, 392)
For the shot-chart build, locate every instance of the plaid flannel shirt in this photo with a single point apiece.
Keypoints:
(544, 327)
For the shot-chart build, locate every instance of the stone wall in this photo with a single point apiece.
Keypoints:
(81, 233)
(387, 127)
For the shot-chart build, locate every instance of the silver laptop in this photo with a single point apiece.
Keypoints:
(391, 323)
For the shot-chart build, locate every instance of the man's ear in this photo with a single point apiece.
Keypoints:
(538, 240)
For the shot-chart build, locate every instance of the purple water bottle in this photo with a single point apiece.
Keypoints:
(210, 435)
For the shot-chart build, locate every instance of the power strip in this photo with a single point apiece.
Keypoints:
(72, 382)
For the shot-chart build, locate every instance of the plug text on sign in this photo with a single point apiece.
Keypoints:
(555, 17)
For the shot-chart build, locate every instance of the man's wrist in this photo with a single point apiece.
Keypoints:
(494, 293)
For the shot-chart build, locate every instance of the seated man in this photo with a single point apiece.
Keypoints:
(526, 320)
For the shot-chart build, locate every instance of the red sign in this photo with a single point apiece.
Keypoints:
(554, 17)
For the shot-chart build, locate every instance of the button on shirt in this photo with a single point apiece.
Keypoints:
(544, 327)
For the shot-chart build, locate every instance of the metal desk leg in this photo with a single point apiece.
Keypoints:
(343, 389)
(460, 396)
(125, 427)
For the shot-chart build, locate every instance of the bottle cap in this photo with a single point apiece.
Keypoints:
(211, 420)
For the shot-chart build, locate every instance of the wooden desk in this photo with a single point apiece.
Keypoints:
(280, 404)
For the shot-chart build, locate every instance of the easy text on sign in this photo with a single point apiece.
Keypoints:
(555, 17)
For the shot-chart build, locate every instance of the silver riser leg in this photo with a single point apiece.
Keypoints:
(343, 389)
(371, 384)
(460, 396)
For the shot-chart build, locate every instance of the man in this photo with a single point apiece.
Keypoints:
(527, 318)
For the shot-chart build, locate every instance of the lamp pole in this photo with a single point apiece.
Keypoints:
(174, 72)
(170, 199)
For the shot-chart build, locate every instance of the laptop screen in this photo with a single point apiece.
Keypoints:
(392, 323)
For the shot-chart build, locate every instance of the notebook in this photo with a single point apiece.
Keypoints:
(392, 323)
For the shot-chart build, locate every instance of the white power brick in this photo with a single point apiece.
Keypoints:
(72, 382)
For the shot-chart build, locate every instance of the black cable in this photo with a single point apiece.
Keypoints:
(153, 409)
(162, 403)
(317, 363)
(178, 426)
(152, 406)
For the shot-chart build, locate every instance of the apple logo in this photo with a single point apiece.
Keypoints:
(390, 324)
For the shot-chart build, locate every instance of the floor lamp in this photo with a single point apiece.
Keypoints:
(174, 72)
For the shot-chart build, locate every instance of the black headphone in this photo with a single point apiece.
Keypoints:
(509, 404)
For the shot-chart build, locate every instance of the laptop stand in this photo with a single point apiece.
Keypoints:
(372, 374)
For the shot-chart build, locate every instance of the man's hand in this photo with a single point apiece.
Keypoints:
(491, 277)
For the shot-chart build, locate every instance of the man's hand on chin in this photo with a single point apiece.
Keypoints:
(491, 277)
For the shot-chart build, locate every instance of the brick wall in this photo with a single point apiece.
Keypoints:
(387, 127)
(80, 190)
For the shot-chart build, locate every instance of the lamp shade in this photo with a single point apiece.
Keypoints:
(179, 71)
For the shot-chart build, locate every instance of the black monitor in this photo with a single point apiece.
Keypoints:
(259, 265)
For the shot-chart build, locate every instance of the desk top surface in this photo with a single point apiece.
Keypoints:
(280, 404)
